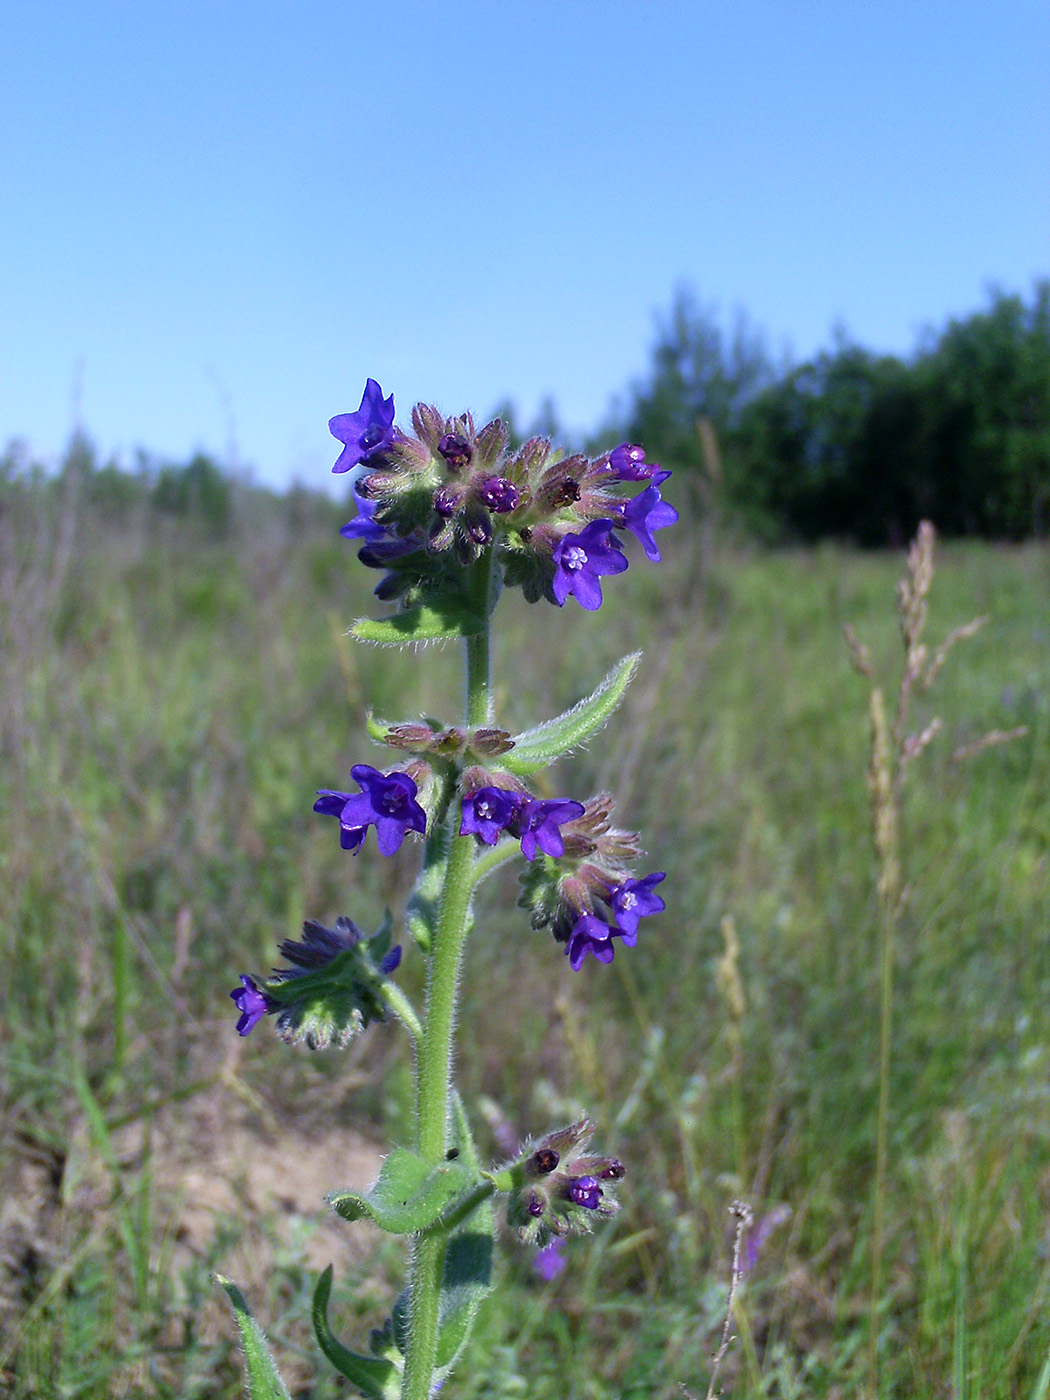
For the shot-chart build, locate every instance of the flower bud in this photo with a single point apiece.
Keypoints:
(456, 450)
(548, 1200)
(585, 1191)
(477, 524)
(489, 743)
(543, 1161)
(499, 494)
(448, 499)
(490, 443)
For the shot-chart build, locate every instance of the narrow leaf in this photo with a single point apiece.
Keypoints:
(466, 1279)
(538, 747)
(408, 1195)
(440, 621)
(264, 1379)
(375, 1376)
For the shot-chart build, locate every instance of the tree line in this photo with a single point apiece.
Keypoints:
(850, 445)
(853, 444)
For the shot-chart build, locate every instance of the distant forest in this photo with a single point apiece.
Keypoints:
(855, 445)
(851, 445)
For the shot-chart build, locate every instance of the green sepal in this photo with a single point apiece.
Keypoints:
(377, 728)
(408, 1195)
(443, 619)
(375, 1377)
(263, 1378)
(334, 1002)
(538, 747)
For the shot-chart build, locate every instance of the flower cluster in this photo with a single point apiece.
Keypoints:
(589, 897)
(331, 991)
(557, 1188)
(430, 502)
(536, 823)
(587, 865)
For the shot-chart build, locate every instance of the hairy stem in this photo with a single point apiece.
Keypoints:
(434, 1057)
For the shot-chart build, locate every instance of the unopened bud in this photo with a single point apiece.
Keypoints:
(456, 450)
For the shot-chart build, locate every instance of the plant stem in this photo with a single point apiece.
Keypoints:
(434, 1057)
(888, 928)
(401, 1006)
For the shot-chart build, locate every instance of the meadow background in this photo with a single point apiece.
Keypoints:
(176, 684)
(222, 219)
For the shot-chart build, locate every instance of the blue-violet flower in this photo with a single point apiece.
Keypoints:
(488, 812)
(646, 513)
(590, 935)
(366, 431)
(251, 1003)
(538, 824)
(580, 560)
(631, 901)
(387, 802)
(549, 1261)
(363, 526)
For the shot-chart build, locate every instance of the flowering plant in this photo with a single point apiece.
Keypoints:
(450, 515)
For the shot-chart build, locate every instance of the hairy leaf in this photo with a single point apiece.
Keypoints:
(538, 747)
(375, 1376)
(408, 1195)
(264, 1379)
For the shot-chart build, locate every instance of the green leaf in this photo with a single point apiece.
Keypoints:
(465, 1281)
(408, 1195)
(441, 620)
(375, 1376)
(264, 1379)
(538, 747)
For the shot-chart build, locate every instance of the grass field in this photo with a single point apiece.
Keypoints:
(169, 705)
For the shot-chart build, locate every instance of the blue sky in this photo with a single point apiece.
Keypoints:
(218, 219)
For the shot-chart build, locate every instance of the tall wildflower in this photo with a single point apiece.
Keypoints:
(448, 515)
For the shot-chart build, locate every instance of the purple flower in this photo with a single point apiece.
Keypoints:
(334, 804)
(387, 802)
(251, 1003)
(550, 1260)
(499, 494)
(627, 463)
(581, 559)
(590, 935)
(488, 812)
(646, 513)
(538, 824)
(631, 901)
(363, 527)
(760, 1233)
(366, 431)
(456, 450)
(392, 961)
(585, 1191)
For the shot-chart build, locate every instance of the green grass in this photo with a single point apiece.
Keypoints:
(168, 707)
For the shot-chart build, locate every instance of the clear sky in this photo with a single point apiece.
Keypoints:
(216, 220)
